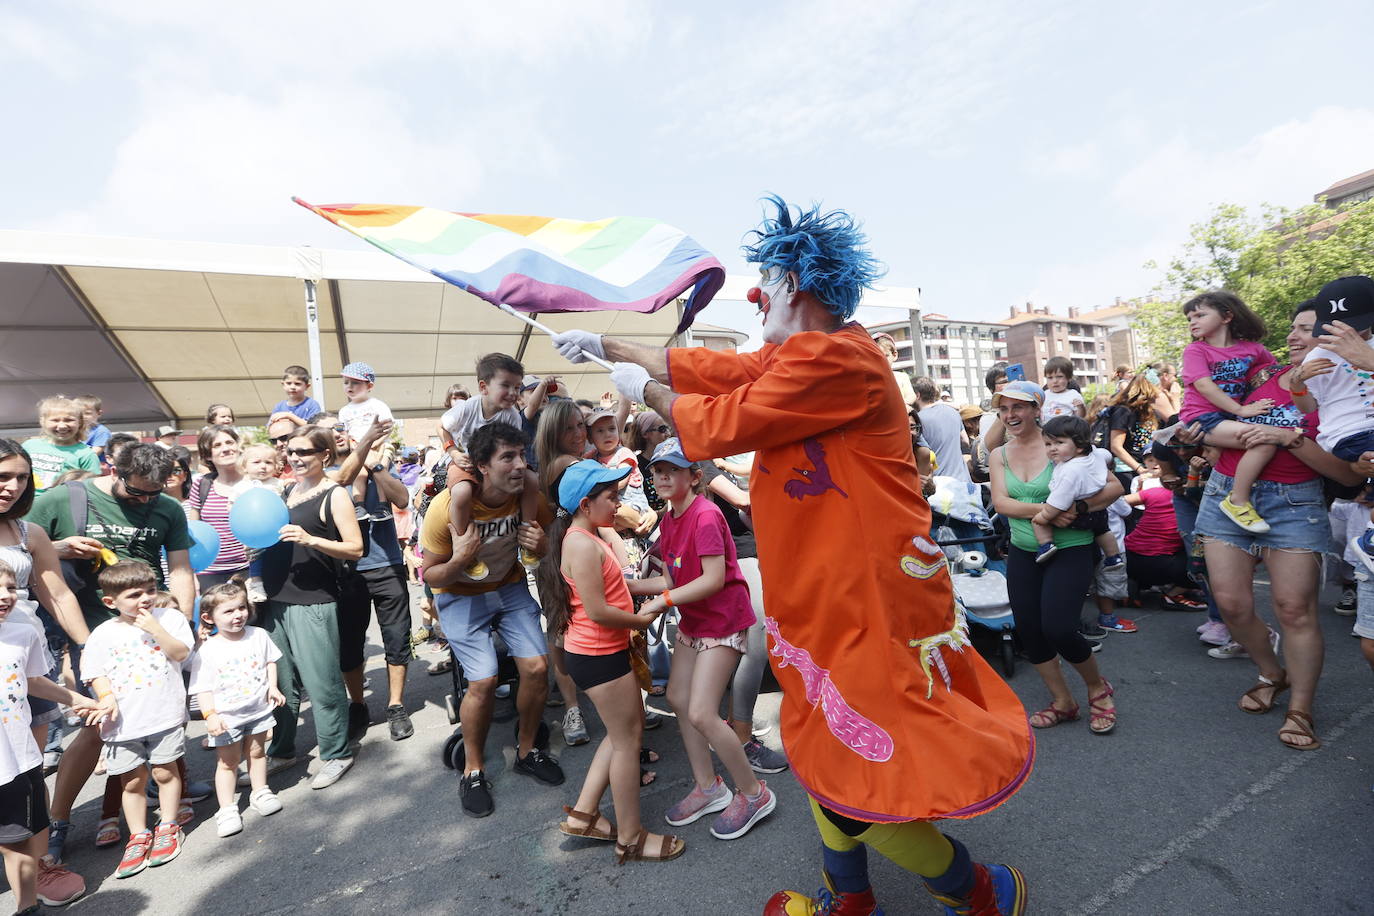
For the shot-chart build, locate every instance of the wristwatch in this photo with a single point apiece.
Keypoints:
(1080, 506)
(377, 468)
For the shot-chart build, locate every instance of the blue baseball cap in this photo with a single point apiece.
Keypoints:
(360, 371)
(670, 450)
(581, 478)
(1020, 390)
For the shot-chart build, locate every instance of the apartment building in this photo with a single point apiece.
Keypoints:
(1034, 334)
(956, 354)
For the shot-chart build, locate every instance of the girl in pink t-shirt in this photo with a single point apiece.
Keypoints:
(703, 581)
(1217, 366)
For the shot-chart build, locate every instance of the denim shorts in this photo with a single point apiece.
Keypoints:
(1210, 421)
(467, 621)
(1352, 447)
(1296, 514)
(1364, 614)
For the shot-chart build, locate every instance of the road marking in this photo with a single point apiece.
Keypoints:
(1173, 850)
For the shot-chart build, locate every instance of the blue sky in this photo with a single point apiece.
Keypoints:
(997, 152)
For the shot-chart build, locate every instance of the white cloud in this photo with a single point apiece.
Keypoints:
(24, 38)
(888, 73)
(1284, 165)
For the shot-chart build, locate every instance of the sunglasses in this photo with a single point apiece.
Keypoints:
(303, 452)
(280, 440)
(340, 428)
(135, 491)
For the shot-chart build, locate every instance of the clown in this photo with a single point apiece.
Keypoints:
(890, 720)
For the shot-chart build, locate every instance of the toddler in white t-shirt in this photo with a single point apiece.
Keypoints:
(1080, 472)
(1061, 400)
(362, 409)
(234, 673)
(135, 660)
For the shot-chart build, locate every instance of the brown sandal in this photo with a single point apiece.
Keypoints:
(1301, 728)
(590, 831)
(669, 847)
(1263, 683)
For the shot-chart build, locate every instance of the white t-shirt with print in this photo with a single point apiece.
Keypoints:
(1078, 478)
(1344, 397)
(21, 657)
(146, 683)
(235, 671)
(465, 418)
(1066, 403)
(358, 416)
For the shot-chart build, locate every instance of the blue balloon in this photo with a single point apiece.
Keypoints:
(206, 548)
(257, 518)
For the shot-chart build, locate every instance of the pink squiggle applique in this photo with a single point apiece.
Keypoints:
(861, 735)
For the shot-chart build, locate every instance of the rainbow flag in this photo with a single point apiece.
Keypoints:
(540, 264)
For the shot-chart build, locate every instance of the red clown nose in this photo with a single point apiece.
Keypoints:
(755, 295)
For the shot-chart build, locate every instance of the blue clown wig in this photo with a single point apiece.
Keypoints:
(825, 250)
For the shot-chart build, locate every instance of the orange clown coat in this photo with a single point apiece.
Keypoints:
(888, 713)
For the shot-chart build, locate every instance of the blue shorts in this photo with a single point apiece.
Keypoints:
(467, 621)
(1352, 447)
(1209, 421)
(1364, 613)
(1296, 513)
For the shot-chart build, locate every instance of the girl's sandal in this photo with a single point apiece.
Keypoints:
(648, 755)
(669, 847)
(1301, 727)
(107, 833)
(1101, 719)
(1052, 715)
(590, 830)
(1262, 684)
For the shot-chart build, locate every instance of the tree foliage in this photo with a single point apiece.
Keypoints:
(1273, 260)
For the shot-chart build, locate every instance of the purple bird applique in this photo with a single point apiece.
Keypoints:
(816, 481)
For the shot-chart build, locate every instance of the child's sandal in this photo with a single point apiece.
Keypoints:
(669, 847)
(107, 833)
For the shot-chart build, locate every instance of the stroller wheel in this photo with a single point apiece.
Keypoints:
(451, 743)
(1008, 655)
(451, 707)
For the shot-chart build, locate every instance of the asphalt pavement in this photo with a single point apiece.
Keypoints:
(1190, 806)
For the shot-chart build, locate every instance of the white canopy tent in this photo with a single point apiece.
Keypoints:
(160, 330)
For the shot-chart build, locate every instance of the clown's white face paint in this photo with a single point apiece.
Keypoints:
(773, 295)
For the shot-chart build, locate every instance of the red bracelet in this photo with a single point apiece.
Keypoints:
(668, 599)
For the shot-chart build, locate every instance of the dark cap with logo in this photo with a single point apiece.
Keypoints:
(1349, 299)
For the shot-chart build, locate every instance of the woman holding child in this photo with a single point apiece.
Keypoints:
(301, 578)
(1047, 599)
(1288, 495)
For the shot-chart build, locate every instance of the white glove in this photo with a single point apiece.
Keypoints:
(575, 346)
(631, 378)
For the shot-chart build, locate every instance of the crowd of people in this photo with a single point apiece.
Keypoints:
(612, 548)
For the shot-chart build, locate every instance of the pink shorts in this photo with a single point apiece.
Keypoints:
(737, 641)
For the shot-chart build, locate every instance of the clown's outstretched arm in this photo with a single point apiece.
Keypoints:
(575, 346)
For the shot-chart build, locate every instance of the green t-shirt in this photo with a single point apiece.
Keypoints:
(1036, 491)
(51, 461)
(132, 530)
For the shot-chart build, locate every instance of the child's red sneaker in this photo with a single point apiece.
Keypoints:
(135, 855)
(166, 844)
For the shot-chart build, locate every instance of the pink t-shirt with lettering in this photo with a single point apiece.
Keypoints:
(701, 531)
(1229, 367)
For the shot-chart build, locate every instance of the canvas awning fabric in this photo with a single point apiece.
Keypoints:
(160, 330)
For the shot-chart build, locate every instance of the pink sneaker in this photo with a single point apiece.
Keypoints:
(1214, 633)
(698, 804)
(58, 885)
(743, 813)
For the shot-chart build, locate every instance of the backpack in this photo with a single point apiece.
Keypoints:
(77, 573)
(1101, 430)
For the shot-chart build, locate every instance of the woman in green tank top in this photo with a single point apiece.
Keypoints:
(1047, 599)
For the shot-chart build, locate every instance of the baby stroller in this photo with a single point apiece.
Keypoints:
(981, 591)
(453, 754)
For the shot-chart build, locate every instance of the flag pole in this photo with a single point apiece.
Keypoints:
(550, 331)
